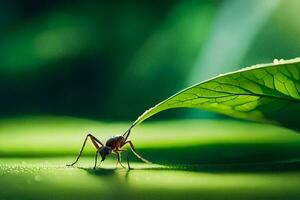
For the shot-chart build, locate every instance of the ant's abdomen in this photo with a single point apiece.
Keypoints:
(115, 142)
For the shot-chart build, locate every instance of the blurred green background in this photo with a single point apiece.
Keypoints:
(111, 60)
(72, 67)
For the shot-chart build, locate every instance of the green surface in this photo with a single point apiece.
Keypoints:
(43, 178)
(264, 92)
(195, 159)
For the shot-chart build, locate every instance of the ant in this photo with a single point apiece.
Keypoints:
(114, 145)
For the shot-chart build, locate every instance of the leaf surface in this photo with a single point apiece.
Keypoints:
(264, 92)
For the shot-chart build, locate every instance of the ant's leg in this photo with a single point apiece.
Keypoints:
(127, 158)
(135, 152)
(94, 140)
(96, 157)
(119, 159)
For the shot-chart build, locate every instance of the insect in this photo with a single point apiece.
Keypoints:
(114, 145)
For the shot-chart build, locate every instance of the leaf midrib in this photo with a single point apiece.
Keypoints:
(246, 94)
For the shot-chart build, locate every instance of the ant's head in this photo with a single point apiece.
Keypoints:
(104, 151)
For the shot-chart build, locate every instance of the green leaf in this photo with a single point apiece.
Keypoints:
(265, 92)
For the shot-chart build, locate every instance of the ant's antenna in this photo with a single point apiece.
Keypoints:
(127, 133)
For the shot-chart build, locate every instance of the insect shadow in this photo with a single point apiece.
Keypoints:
(99, 171)
(108, 174)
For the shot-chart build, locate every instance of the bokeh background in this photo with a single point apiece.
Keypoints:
(72, 67)
(111, 60)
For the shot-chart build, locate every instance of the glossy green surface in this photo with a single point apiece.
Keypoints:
(200, 159)
(48, 178)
